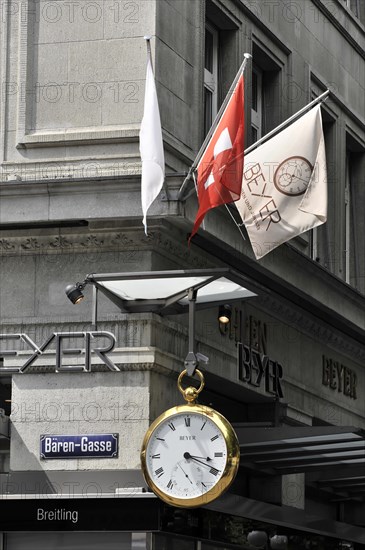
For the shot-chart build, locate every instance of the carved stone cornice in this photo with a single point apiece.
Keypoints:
(83, 241)
(308, 324)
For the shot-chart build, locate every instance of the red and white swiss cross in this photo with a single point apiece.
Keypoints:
(220, 168)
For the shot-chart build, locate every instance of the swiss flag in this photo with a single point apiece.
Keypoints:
(221, 166)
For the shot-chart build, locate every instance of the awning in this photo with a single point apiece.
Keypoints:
(167, 291)
(4, 426)
(317, 450)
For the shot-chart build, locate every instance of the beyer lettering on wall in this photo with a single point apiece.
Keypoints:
(338, 377)
(246, 329)
(258, 369)
(90, 343)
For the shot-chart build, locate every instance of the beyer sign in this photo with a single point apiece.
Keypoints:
(89, 343)
(256, 368)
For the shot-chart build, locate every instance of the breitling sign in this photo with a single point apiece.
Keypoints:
(27, 352)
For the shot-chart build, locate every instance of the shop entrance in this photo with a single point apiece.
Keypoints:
(104, 541)
(74, 541)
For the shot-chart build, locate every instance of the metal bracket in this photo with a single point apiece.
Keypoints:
(192, 359)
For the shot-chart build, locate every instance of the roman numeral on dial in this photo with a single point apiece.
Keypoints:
(187, 421)
(214, 438)
(159, 472)
(172, 426)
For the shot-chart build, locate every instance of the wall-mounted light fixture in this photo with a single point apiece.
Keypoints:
(225, 314)
(74, 292)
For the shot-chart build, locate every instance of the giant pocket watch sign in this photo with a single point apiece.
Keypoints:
(190, 454)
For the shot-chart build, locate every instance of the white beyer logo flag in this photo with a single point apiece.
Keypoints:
(151, 146)
(284, 185)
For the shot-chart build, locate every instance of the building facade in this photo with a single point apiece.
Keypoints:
(287, 372)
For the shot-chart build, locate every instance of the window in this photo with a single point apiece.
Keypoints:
(210, 76)
(316, 243)
(265, 93)
(348, 219)
(354, 225)
(323, 246)
(354, 6)
(256, 104)
(221, 60)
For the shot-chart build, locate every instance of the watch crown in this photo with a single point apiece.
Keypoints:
(190, 394)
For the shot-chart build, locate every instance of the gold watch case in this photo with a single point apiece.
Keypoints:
(231, 462)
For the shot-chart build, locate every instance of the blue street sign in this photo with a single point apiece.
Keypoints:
(79, 446)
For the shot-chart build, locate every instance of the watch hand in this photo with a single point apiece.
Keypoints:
(186, 475)
(188, 455)
(283, 179)
(203, 457)
(291, 176)
(301, 179)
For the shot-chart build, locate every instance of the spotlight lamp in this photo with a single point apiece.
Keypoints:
(74, 292)
(225, 314)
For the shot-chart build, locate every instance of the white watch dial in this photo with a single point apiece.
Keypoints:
(186, 455)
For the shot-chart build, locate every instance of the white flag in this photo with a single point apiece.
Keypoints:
(284, 185)
(151, 146)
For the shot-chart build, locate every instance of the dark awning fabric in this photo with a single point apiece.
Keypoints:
(312, 449)
(288, 517)
(4, 426)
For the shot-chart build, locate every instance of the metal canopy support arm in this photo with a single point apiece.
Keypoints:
(95, 308)
(192, 359)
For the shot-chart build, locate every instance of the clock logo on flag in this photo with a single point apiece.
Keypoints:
(292, 176)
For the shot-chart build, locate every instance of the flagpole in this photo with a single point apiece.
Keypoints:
(148, 44)
(289, 120)
(208, 137)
